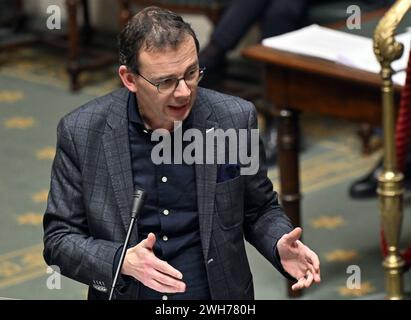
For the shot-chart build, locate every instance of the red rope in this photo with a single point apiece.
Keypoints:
(403, 127)
(402, 140)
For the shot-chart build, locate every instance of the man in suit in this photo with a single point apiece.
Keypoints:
(189, 243)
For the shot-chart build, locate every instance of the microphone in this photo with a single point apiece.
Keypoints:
(139, 196)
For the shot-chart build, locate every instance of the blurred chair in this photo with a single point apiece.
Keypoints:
(76, 42)
(79, 45)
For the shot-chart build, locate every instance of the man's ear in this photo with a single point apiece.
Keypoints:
(128, 78)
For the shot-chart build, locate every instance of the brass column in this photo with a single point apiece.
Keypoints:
(390, 186)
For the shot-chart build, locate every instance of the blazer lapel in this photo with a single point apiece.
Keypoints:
(117, 151)
(206, 177)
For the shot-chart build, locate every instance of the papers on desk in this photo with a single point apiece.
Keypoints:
(340, 47)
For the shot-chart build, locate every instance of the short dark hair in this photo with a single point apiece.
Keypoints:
(152, 28)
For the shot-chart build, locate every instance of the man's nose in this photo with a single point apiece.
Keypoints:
(182, 89)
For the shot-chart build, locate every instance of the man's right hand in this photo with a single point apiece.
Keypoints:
(141, 263)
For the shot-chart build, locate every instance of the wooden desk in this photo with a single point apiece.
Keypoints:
(297, 83)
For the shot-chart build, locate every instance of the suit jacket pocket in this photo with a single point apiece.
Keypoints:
(229, 203)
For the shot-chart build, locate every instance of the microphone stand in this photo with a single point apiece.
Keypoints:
(139, 196)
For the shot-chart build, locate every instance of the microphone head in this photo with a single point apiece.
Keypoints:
(139, 196)
(139, 193)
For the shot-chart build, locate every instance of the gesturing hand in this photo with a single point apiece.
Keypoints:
(141, 263)
(298, 260)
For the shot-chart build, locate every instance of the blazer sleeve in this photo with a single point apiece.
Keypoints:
(67, 241)
(265, 221)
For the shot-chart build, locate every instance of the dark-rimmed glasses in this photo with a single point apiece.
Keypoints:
(168, 86)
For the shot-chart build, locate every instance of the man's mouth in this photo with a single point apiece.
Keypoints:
(178, 111)
(179, 107)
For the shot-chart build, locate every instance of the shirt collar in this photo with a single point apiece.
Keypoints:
(133, 112)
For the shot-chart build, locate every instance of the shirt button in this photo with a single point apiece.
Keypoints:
(166, 212)
(145, 131)
(165, 238)
(164, 179)
(164, 297)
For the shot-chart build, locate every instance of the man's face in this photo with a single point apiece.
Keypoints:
(160, 110)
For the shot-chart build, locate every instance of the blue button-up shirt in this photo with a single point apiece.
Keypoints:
(170, 210)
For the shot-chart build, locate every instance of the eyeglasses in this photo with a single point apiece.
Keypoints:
(167, 86)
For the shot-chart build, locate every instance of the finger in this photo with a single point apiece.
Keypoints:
(149, 242)
(310, 268)
(165, 268)
(317, 276)
(316, 273)
(171, 282)
(155, 285)
(314, 259)
(314, 262)
(309, 280)
(299, 285)
(293, 235)
(310, 256)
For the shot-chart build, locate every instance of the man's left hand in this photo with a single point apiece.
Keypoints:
(298, 260)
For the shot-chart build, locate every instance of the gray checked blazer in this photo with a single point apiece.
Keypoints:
(88, 208)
